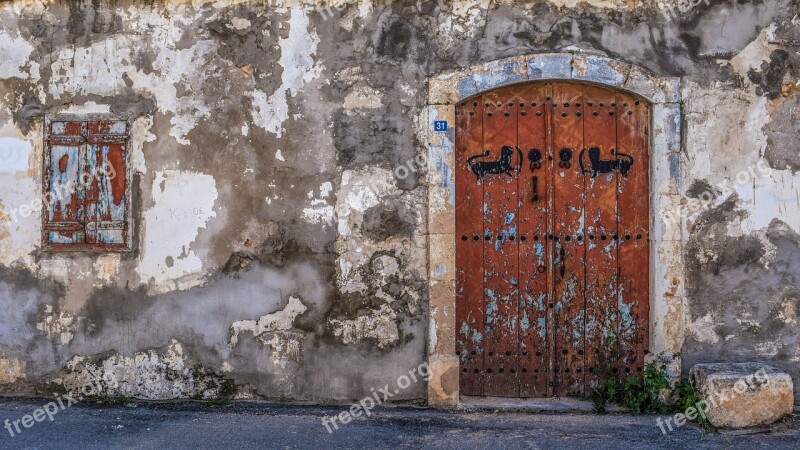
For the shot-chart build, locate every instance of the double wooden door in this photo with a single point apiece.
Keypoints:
(552, 242)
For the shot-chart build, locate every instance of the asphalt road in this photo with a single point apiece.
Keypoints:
(268, 425)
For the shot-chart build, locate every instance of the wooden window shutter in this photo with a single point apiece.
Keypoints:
(64, 204)
(86, 186)
(106, 196)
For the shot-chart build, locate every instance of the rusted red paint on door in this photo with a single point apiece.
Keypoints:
(566, 238)
(552, 220)
(600, 216)
(634, 245)
(469, 232)
(534, 258)
(500, 247)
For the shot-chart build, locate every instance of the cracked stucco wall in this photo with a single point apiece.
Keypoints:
(278, 253)
(742, 245)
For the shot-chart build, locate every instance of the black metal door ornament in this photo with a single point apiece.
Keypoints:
(622, 162)
(565, 158)
(500, 166)
(535, 157)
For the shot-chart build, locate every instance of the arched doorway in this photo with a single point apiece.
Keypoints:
(552, 237)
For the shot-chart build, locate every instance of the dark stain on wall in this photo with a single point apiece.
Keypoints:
(381, 137)
(89, 18)
(114, 306)
(386, 220)
(394, 39)
(770, 78)
(783, 146)
(26, 107)
(703, 190)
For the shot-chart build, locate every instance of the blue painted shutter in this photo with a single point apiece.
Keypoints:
(106, 195)
(64, 203)
(86, 197)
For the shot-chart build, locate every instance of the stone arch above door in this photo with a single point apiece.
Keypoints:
(666, 260)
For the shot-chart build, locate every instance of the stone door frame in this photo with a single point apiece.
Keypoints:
(666, 251)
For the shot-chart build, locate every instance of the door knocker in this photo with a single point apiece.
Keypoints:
(535, 157)
(565, 158)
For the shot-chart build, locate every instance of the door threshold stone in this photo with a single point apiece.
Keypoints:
(533, 405)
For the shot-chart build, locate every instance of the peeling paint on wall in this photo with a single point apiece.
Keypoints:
(320, 210)
(282, 320)
(299, 67)
(153, 375)
(172, 225)
(58, 327)
(16, 51)
(378, 326)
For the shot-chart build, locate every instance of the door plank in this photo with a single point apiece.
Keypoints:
(501, 249)
(534, 254)
(566, 240)
(469, 249)
(601, 228)
(633, 120)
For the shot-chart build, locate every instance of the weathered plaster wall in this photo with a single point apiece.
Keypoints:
(742, 153)
(277, 250)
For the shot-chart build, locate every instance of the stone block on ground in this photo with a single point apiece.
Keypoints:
(741, 395)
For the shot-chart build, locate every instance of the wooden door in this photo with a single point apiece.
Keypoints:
(552, 252)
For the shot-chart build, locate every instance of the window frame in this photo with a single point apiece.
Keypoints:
(83, 141)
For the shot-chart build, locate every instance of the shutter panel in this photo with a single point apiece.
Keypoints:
(64, 203)
(106, 194)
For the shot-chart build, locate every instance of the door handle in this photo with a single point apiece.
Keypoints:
(535, 189)
(563, 261)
